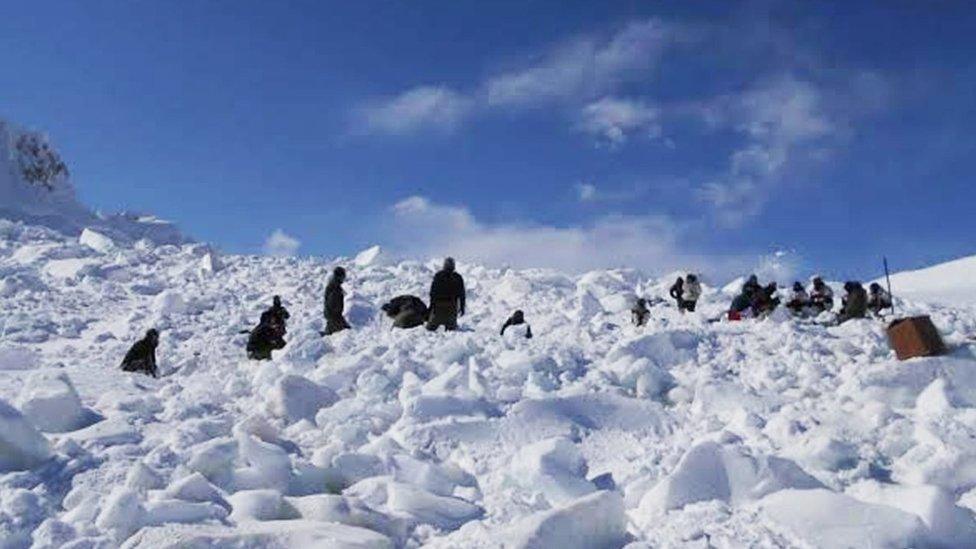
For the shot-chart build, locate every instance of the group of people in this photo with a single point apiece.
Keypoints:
(447, 303)
(756, 301)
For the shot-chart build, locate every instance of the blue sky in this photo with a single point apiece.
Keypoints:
(570, 134)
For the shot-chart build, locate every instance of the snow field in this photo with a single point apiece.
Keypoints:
(592, 434)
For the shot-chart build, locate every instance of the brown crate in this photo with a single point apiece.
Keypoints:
(915, 336)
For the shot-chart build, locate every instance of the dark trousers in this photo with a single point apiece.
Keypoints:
(335, 324)
(443, 312)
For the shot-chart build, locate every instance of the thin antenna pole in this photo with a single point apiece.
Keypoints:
(888, 279)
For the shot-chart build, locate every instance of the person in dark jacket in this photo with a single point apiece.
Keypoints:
(264, 338)
(822, 297)
(676, 291)
(142, 356)
(640, 312)
(407, 311)
(278, 316)
(764, 300)
(878, 298)
(751, 285)
(335, 303)
(742, 303)
(517, 319)
(799, 300)
(447, 298)
(855, 303)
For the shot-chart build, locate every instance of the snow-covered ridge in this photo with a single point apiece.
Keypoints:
(592, 434)
(36, 187)
(952, 282)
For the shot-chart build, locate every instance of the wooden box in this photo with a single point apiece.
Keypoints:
(915, 336)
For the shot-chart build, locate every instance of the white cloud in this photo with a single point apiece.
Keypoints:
(421, 228)
(281, 244)
(586, 192)
(612, 120)
(782, 120)
(421, 108)
(586, 67)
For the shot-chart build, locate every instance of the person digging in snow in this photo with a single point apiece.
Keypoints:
(878, 299)
(335, 303)
(855, 303)
(741, 305)
(264, 338)
(407, 311)
(690, 294)
(447, 298)
(640, 312)
(676, 291)
(822, 297)
(799, 300)
(278, 316)
(142, 356)
(517, 319)
(764, 300)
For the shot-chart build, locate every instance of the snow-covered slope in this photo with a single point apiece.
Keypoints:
(594, 433)
(950, 283)
(36, 187)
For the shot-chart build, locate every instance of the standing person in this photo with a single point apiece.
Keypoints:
(142, 355)
(447, 298)
(676, 291)
(879, 299)
(822, 297)
(692, 291)
(855, 304)
(335, 303)
(640, 312)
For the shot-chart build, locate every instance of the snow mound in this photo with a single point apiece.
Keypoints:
(21, 446)
(285, 534)
(51, 403)
(295, 397)
(596, 520)
(371, 256)
(949, 283)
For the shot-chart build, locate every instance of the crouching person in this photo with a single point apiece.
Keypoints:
(640, 312)
(264, 338)
(878, 298)
(142, 356)
(517, 319)
(407, 311)
(855, 303)
(799, 299)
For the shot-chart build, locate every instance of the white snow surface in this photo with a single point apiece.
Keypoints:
(949, 283)
(594, 433)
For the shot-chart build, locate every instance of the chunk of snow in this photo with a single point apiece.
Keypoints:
(122, 513)
(711, 471)
(830, 520)
(17, 358)
(73, 268)
(168, 303)
(596, 520)
(51, 403)
(444, 512)
(143, 477)
(176, 511)
(96, 241)
(295, 397)
(553, 467)
(21, 445)
(195, 487)
(257, 505)
(278, 534)
(371, 256)
(950, 525)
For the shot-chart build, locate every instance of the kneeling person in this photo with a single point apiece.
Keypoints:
(407, 311)
(142, 356)
(517, 319)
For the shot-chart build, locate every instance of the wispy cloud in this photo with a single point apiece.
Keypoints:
(585, 67)
(422, 228)
(422, 108)
(780, 120)
(281, 244)
(575, 71)
(612, 120)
